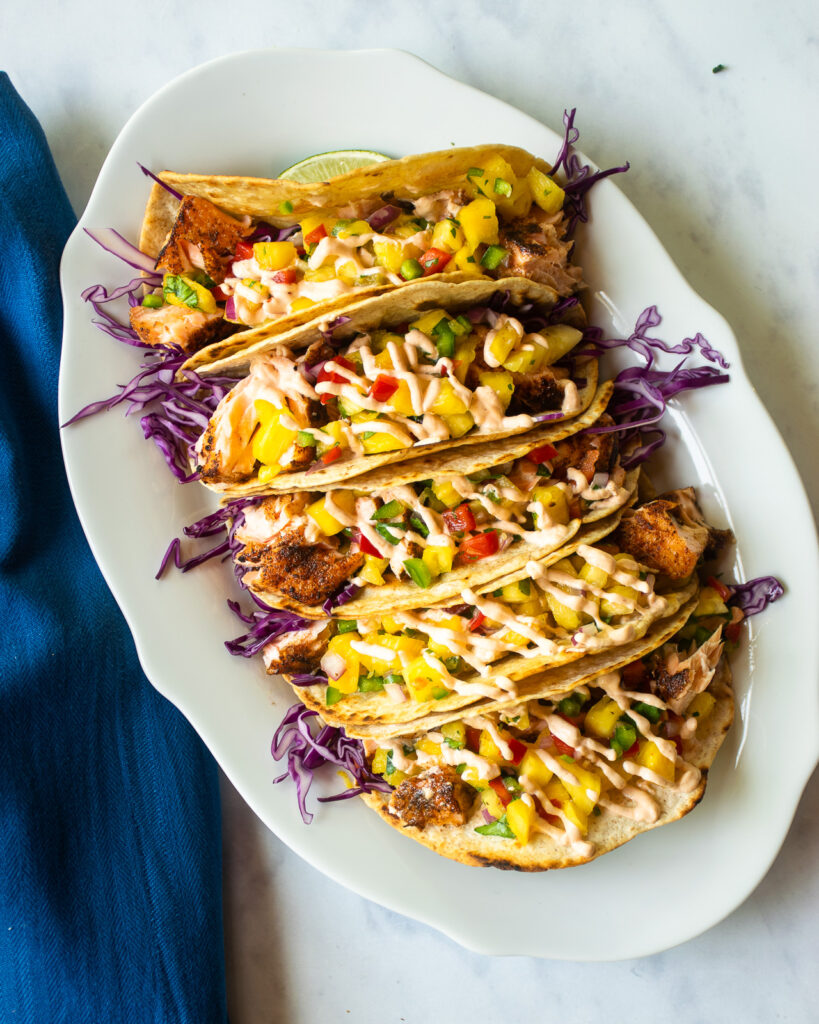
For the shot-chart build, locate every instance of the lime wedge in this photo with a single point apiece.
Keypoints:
(327, 165)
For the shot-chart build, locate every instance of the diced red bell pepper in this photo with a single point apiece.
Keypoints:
(545, 453)
(551, 818)
(244, 251)
(481, 545)
(334, 378)
(473, 739)
(732, 631)
(434, 260)
(518, 750)
(635, 746)
(501, 790)
(460, 519)
(476, 621)
(365, 545)
(383, 388)
(315, 235)
(285, 276)
(219, 295)
(562, 747)
(332, 455)
(723, 591)
(677, 741)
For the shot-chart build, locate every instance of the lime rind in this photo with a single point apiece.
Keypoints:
(322, 166)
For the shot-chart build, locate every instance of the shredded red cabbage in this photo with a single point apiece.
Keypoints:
(265, 232)
(754, 596)
(328, 330)
(578, 177)
(307, 751)
(226, 521)
(342, 597)
(641, 393)
(113, 242)
(159, 181)
(268, 624)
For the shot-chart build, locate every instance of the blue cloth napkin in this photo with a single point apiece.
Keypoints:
(110, 854)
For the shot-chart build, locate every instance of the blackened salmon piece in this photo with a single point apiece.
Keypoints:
(679, 682)
(657, 537)
(290, 566)
(438, 796)
(537, 249)
(589, 453)
(190, 329)
(202, 236)
(690, 513)
(296, 652)
(534, 393)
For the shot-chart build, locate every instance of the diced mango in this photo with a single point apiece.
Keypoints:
(517, 593)
(555, 506)
(701, 706)
(340, 645)
(447, 402)
(447, 235)
(611, 606)
(548, 195)
(504, 341)
(379, 762)
(428, 747)
(501, 383)
(455, 732)
(586, 791)
(602, 717)
(326, 522)
(274, 255)
(356, 227)
(459, 423)
(446, 493)
(438, 559)
(489, 749)
(534, 768)
(479, 221)
(381, 441)
(492, 802)
(424, 682)
(453, 622)
(395, 778)
(372, 570)
(347, 272)
(649, 756)
(520, 815)
(470, 775)
(271, 440)
(389, 624)
(465, 262)
(525, 360)
(325, 273)
(564, 616)
(594, 575)
(559, 339)
(576, 816)
(401, 400)
(297, 305)
(710, 603)
(389, 254)
(312, 221)
(429, 321)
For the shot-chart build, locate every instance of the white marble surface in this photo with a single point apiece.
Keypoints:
(722, 168)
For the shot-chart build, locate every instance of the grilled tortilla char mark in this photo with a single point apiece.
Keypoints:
(537, 250)
(437, 796)
(297, 652)
(190, 329)
(202, 236)
(666, 536)
(288, 564)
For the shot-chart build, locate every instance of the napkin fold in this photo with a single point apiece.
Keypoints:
(110, 850)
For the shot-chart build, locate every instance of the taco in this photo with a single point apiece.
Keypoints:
(435, 528)
(552, 783)
(404, 376)
(266, 255)
(399, 666)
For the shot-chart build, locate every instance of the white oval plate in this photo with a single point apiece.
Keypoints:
(662, 888)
